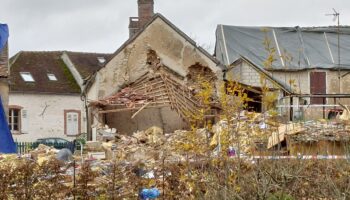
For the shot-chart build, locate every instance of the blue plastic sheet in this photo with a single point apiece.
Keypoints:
(7, 145)
(4, 35)
(152, 193)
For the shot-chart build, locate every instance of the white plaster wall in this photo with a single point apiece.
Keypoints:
(51, 124)
(300, 81)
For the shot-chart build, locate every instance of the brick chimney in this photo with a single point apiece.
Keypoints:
(146, 12)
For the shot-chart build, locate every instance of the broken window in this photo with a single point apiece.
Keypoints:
(52, 77)
(27, 77)
(14, 119)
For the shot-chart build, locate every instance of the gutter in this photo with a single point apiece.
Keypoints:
(86, 85)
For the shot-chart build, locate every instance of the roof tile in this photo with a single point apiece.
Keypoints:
(39, 64)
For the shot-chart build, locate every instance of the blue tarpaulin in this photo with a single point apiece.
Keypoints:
(4, 35)
(7, 145)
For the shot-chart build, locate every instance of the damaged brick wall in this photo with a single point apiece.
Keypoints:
(197, 71)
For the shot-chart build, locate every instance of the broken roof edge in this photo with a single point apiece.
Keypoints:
(45, 93)
(184, 35)
(280, 84)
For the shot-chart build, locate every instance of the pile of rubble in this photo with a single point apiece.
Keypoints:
(322, 131)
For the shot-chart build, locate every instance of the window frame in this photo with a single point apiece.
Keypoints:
(65, 122)
(23, 74)
(11, 117)
(53, 77)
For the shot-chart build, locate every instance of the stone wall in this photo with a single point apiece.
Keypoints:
(130, 63)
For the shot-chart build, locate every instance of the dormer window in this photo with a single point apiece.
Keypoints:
(27, 77)
(101, 60)
(52, 77)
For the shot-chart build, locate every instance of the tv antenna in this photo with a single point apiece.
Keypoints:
(336, 16)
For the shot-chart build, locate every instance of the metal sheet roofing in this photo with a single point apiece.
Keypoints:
(295, 48)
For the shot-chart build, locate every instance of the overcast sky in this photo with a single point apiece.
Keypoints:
(102, 25)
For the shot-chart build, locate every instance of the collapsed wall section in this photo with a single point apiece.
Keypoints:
(159, 51)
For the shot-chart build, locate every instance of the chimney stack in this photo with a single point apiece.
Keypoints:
(146, 12)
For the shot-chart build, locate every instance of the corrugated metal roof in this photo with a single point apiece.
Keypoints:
(295, 48)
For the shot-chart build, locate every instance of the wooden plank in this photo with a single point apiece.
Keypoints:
(137, 112)
(128, 109)
(148, 84)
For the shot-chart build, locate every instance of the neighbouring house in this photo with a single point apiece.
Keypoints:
(312, 77)
(149, 80)
(4, 62)
(45, 93)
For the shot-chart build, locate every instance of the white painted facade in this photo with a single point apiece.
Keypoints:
(43, 115)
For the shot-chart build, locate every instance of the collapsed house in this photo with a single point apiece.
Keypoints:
(302, 63)
(150, 80)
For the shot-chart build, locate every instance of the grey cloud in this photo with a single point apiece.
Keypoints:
(102, 25)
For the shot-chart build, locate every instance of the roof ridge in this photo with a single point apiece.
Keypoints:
(41, 51)
(62, 51)
(81, 52)
(329, 26)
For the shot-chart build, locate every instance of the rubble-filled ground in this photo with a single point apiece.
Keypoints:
(196, 164)
(23, 178)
